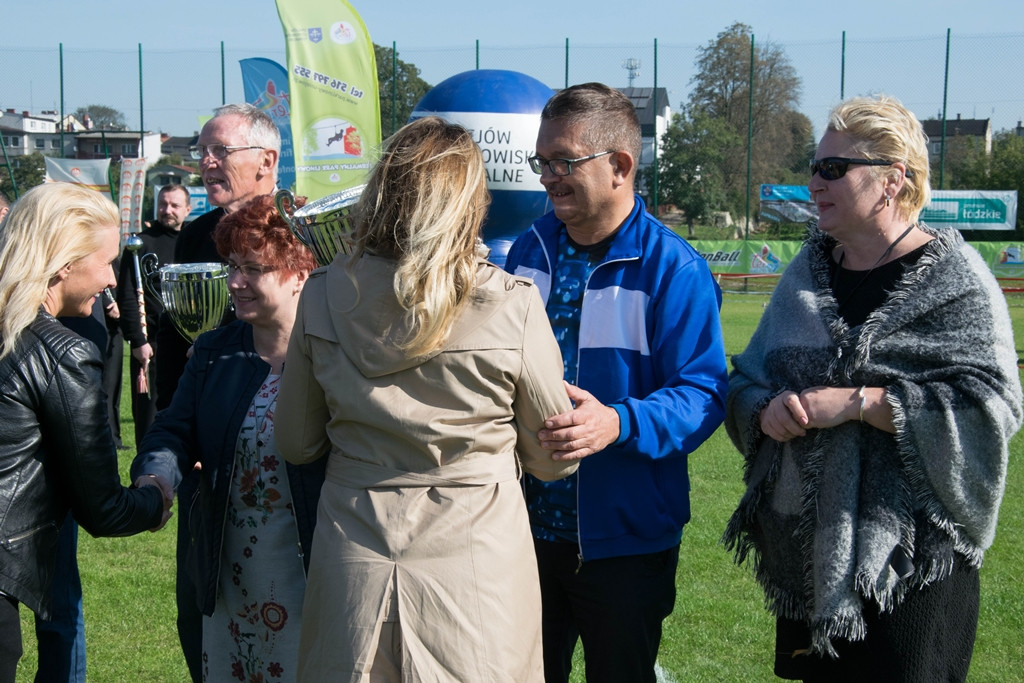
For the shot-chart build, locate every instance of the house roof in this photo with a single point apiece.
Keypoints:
(642, 99)
(180, 141)
(111, 134)
(957, 126)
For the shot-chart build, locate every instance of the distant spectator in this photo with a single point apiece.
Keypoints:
(173, 207)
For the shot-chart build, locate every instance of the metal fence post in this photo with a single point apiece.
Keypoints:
(566, 62)
(60, 52)
(142, 123)
(842, 70)
(654, 106)
(945, 93)
(394, 86)
(750, 136)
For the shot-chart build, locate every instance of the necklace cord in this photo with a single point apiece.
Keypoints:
(885, 254)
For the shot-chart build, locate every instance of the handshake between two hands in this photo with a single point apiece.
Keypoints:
(166, 490)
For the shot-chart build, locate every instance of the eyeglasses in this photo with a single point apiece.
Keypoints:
(834, 168)
(250, 271)
(216, 150)
(560, 166)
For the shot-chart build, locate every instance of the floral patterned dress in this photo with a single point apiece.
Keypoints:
(253, 635)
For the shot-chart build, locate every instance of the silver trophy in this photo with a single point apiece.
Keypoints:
(324, 225)
(195, 295)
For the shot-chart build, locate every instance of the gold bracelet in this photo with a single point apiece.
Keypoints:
(863, 400)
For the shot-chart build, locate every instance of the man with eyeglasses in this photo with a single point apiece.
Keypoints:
(237, 150)
(635, 312)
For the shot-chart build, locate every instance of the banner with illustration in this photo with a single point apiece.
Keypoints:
(1005, 259)
(266, 88)
(747, 257)
(91, 173)
(958, 209)
(787, 204)
(335, 110)
(769, 258)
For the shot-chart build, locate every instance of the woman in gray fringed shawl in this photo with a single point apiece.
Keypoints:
(874, 405)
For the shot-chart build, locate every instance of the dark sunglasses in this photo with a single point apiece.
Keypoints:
(834, 168)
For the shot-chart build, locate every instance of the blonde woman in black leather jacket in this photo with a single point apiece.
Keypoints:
(56, 450)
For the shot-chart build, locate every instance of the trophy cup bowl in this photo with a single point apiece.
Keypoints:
(324, 225)
(195, 295)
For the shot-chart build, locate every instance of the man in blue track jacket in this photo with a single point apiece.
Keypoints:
(635, 311)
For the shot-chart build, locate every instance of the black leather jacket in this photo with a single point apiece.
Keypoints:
(202, 425)
(56, 453)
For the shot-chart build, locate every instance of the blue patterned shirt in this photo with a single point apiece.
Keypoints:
(552, 504)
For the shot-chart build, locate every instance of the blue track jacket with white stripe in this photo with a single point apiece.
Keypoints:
(650, 347)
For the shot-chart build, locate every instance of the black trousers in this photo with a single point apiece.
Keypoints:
(615, 606)
(190, 618)
(928, 637)
(143, 405)
(10, 638)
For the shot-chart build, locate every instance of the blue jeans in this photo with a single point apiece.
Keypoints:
(62, 639)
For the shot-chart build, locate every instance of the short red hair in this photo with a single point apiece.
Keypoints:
(259, 228)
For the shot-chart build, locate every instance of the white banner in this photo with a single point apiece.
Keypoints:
(91, 173)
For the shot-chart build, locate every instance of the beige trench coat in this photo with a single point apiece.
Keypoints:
(422, 508)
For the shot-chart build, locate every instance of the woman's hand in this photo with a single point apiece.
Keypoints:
(830, 406)
(166, 490)
(790, 415)
(784, 417)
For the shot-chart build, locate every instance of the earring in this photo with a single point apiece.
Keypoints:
(887, 200)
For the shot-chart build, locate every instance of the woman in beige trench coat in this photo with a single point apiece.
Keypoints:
(425, 373)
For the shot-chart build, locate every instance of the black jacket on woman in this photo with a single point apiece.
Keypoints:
(56, 454)
(202, 425)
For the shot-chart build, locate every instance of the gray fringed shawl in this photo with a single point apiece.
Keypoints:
(825, 514)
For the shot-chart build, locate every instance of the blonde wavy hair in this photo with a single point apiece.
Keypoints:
(52, 225)
(423, 206)
(882, 128)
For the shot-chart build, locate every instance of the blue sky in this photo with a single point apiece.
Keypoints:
(894, 47)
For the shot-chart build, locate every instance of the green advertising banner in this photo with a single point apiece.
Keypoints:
(972, 210)
(751, 258)
(748, 257)
(335, 110)
(1006, 259)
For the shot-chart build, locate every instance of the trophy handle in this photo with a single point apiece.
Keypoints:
(279, 201)
(149, 267)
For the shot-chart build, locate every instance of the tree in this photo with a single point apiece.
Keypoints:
(102, 117)
(690, 165)
(29, 171)
(175, 160)
(410, 89)
(781, 134)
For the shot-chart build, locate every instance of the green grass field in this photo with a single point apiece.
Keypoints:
(719, 631)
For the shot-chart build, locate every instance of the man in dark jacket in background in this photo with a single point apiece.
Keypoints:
(173, 207)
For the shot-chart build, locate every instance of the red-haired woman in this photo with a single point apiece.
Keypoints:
(252, 519)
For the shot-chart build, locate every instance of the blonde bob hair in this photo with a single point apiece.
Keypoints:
(52, 225)
(423, 206)
(882, 128)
